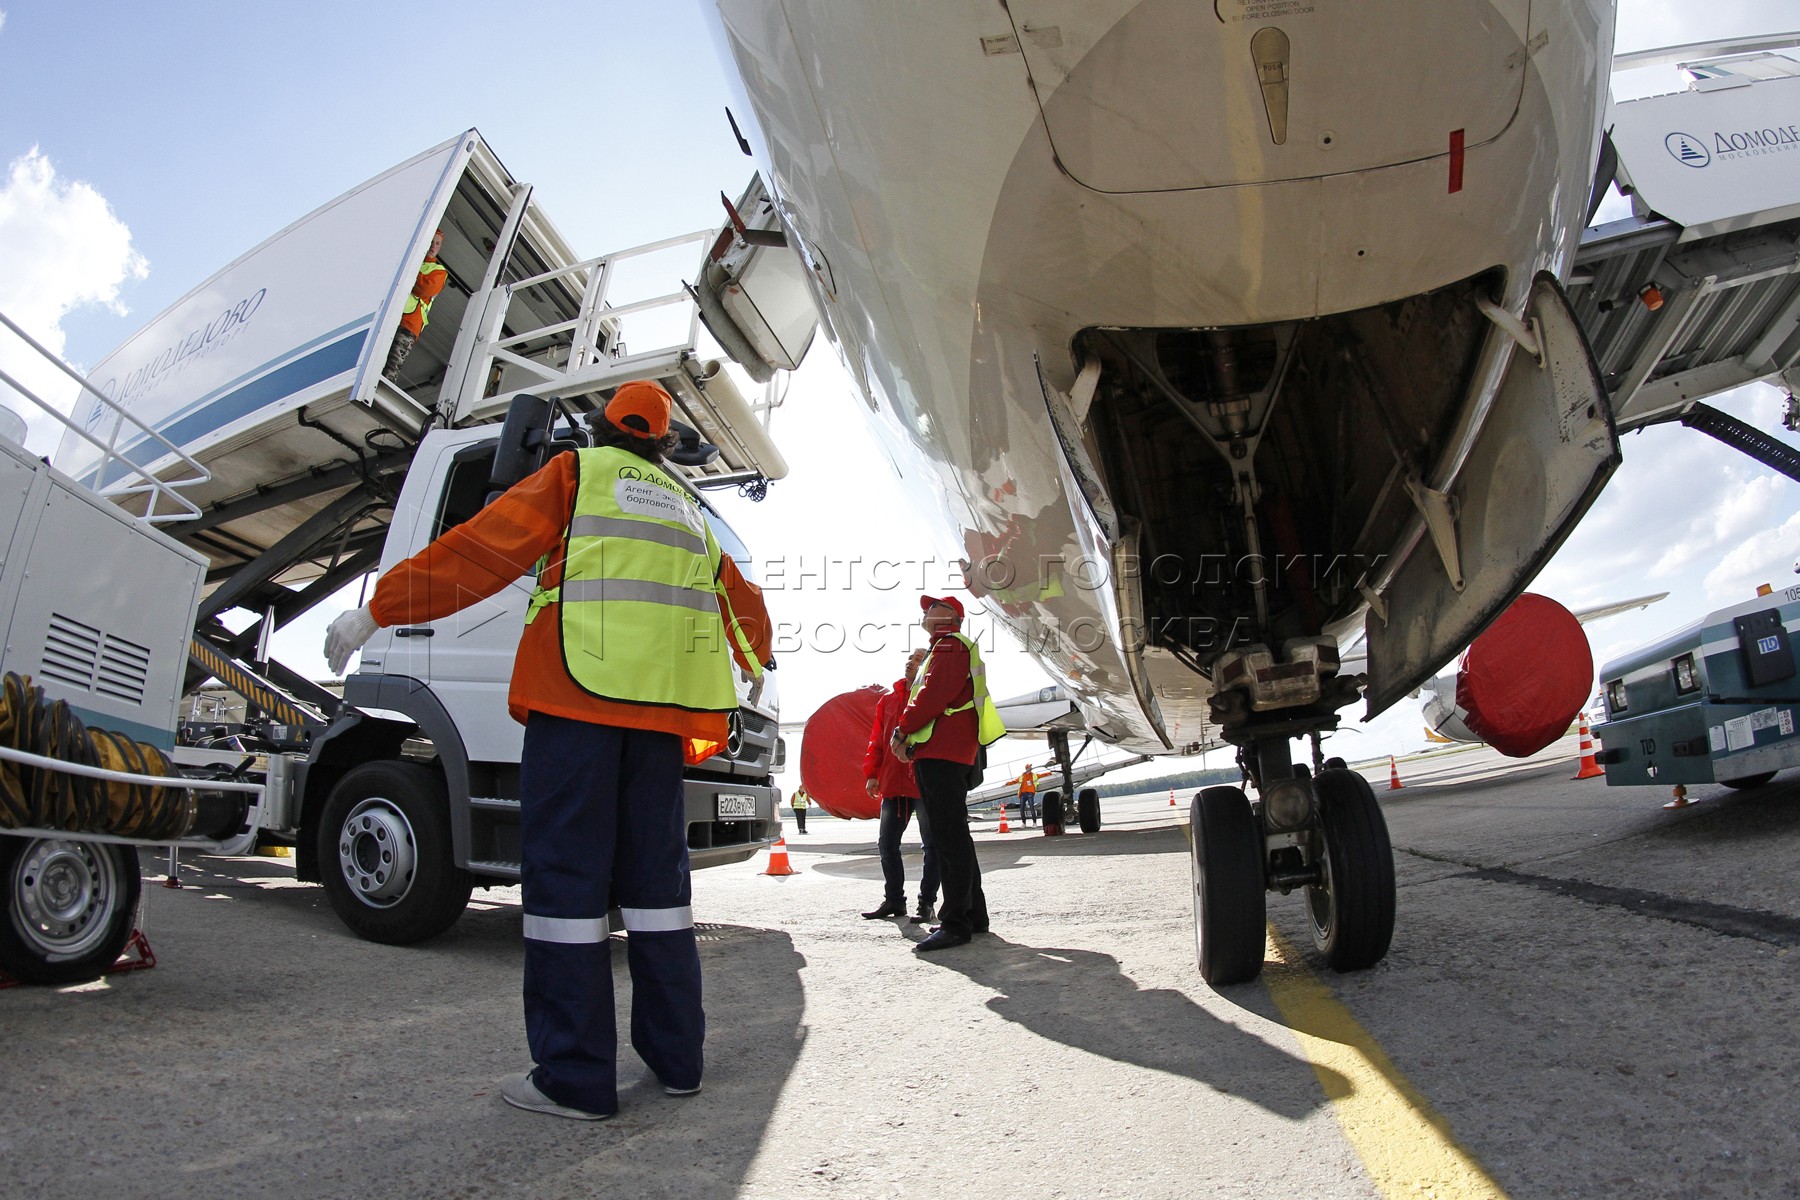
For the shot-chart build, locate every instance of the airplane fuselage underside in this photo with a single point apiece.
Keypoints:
(1175, 308)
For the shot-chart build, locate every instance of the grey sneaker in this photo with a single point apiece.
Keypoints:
(675, 1091)
(520, 1092)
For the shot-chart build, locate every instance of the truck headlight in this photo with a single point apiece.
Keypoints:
(1615, 696)
(1686, 678)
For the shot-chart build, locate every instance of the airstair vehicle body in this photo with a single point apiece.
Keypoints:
(1698, 291)
(248, 437)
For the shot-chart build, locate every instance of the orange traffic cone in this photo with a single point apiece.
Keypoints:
(1590, 766)
(1394, 783)
(1172, 798)
(1681, 800)
(778, 859)
(1003, 826)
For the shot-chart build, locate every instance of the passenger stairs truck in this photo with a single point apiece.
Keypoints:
(248, 435)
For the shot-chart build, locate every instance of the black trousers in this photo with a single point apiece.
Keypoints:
(944, 795)
(800, 819)
(896, 815)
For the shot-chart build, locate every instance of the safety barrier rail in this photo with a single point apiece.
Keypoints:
(144, 484)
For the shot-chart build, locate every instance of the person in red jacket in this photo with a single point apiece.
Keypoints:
(945, 700)
(889, 778)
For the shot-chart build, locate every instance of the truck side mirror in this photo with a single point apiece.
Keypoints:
(691, 451)
(524, 440)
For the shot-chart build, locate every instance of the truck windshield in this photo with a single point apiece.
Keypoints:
(731, 544)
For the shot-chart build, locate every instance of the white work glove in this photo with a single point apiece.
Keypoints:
(345, 636)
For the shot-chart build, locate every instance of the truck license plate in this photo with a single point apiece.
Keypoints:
(735, 807)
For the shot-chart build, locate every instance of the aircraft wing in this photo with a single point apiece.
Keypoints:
(1601, 611)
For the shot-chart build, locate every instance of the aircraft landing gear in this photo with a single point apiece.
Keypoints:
(1057, 806)
(1323, 834)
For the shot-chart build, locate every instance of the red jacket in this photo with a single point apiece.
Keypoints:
(893, 775)
(946, 685)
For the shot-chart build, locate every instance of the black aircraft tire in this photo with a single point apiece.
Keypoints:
(1087, 810)
(67, 907)
(1230, 907)
(385, 856)
(1744, 783)
(1050, 811)
(1352, 912)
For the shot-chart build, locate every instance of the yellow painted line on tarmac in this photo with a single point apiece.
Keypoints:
(1406, 1147)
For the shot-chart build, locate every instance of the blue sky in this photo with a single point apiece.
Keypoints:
(143, 146)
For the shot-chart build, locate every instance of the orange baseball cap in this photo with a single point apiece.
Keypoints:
(640, 407)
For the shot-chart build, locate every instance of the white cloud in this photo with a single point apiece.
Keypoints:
(64, 248)
(1768, 558)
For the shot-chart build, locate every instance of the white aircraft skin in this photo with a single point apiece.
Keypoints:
(969, 209)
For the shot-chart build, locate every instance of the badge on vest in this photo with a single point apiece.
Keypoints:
(641, 498)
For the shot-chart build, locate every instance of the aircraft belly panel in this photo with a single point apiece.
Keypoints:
(1340, 88)
(1542, 455)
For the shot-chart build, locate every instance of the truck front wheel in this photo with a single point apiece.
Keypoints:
(385, 854)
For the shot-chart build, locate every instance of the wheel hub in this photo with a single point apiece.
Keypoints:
(377, 853)
(61, 893)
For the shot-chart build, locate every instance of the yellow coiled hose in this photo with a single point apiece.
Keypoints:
(39, 798)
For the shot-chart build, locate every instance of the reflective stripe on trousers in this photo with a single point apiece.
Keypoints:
(570, 931)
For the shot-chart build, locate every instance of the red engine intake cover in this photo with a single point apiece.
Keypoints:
(831, 754)
(1524, 679)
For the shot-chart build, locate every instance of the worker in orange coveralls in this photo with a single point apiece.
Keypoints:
(417, 313)
(609, 722)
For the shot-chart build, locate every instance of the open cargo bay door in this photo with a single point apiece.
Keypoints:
(1547, 448)
(752, 289)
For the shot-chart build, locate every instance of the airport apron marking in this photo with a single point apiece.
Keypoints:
(1772, 928)
(1405, 1146)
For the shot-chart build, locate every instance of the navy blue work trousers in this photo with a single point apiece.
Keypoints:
(896, 815)
(602, 820)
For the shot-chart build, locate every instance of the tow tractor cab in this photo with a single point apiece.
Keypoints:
(1715, 702)
(286, 465)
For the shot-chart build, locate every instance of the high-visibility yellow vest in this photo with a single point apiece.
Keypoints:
(989, 728)
(422, 307)
(640, 592)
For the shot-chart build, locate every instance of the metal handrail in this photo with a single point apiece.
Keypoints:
(110, 455)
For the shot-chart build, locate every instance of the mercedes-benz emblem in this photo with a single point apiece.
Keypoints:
(734, 736)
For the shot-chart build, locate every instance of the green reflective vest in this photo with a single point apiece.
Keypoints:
(989, 728)
(640, 594)
(422, 307)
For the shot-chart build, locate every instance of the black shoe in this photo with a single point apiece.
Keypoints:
(924, 914)
(889, 908)
(942, 940)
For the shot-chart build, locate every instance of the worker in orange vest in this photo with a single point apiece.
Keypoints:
(417, 313)
(1028, 806)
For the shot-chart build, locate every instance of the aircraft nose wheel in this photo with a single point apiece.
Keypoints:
(1351, 909)
(1230, 911)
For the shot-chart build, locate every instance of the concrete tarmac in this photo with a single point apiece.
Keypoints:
(1587, 995)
